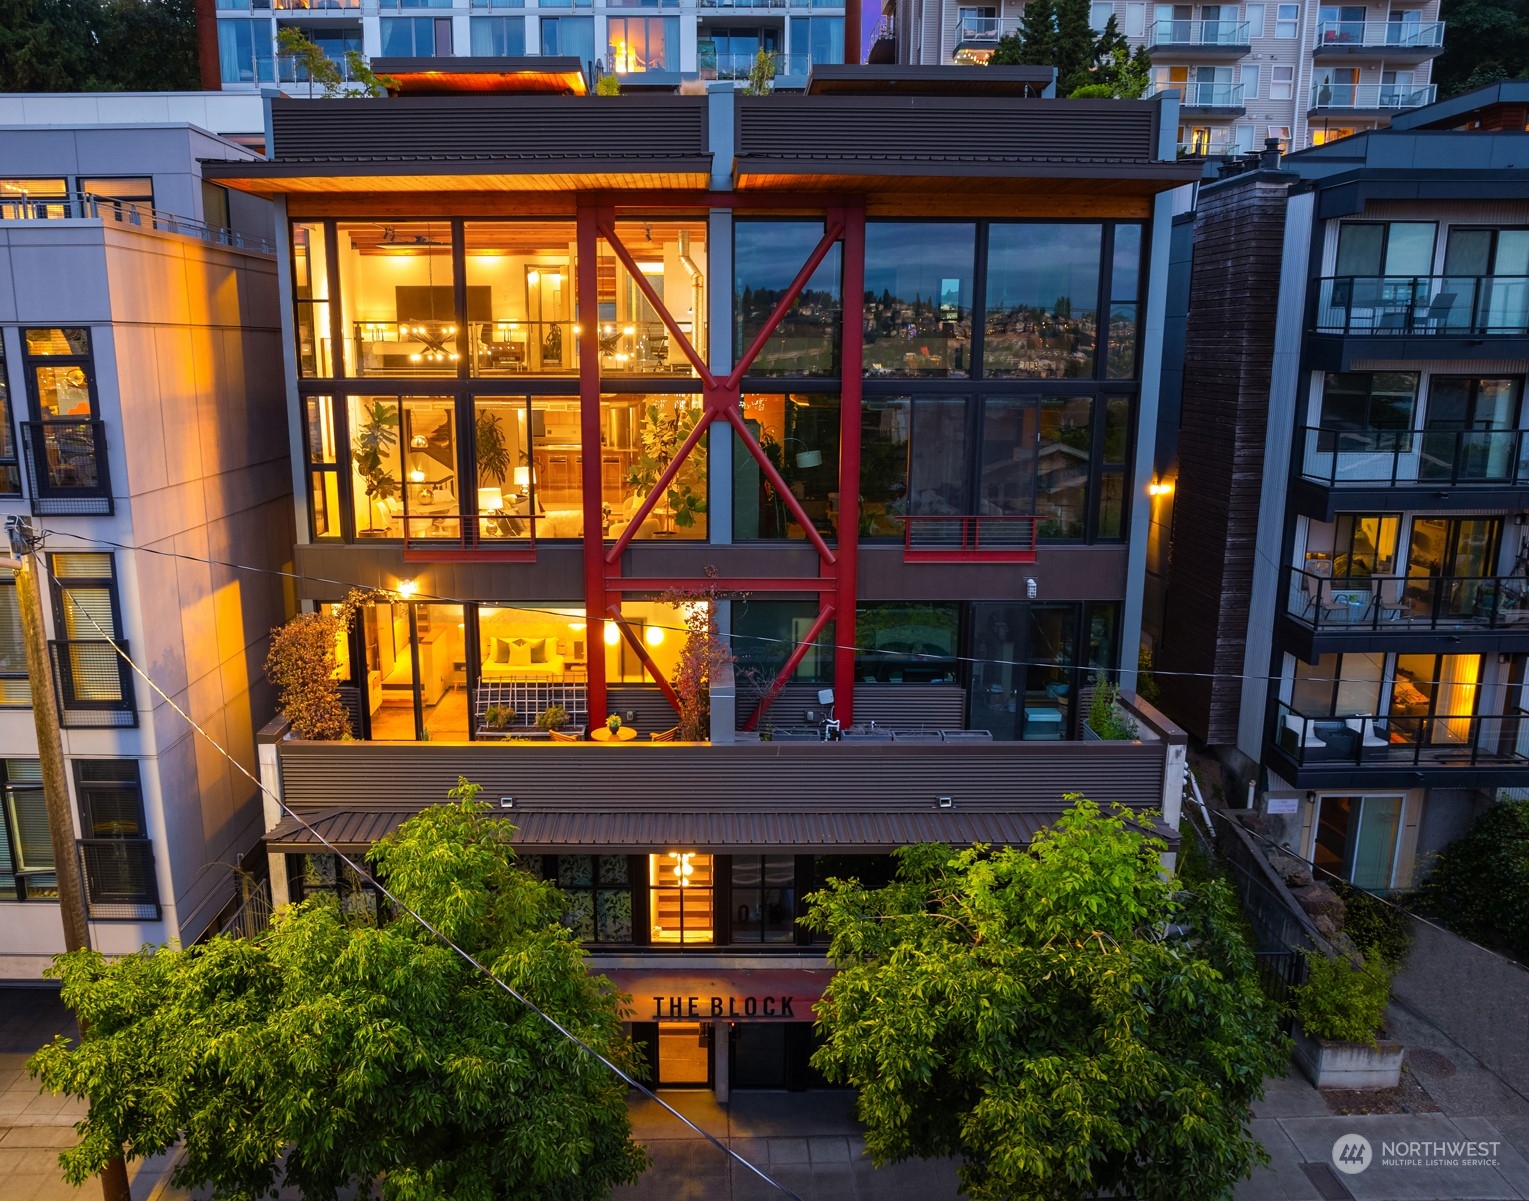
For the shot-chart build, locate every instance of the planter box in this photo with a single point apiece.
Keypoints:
(1329, 1064)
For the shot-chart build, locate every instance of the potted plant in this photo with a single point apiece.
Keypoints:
(553, 717)
(662, 435)
(497, 717)
(1106, 723)
(613, 723)
(1340, 1012)
(493, 453)
(374, 442)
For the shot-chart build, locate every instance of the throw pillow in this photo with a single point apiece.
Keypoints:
(501, 650)
(520, 653)
(539, 651)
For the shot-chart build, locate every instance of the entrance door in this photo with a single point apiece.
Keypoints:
(684, 1054)
(1356, 838)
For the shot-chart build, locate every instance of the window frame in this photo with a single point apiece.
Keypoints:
(22, 887)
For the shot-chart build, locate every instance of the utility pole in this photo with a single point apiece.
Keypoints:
(55, 785)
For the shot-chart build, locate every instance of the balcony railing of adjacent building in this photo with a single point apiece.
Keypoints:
(1203, 95)
(1400, 603)
(739, 66)
(316, 5)
(1163, 34)
(984, 30)
(1367, 457)
(67, 467)
(1380, 35)
(1445, 305)
(289, 70)
(1399, 740)
(1367, 97)
(79, 205)
(969, 539)
(120, 882)
(93, 683)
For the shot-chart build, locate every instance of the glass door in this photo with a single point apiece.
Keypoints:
(1448, 561)
(1356, 838)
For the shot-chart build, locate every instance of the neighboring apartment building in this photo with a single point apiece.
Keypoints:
(141, 406)
(881, 375)
(650, 44)
(1304, 73)
(1352, 492)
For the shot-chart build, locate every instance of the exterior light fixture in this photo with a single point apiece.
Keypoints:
(653, 636)
(1159, 488)
(407, 588)
(1032, 589)
(612, 634)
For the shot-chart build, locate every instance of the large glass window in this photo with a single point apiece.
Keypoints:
(938, 472)
(907, 643)
(398, 298)
(1042, 300)
(1338, 685)
(34, 198)
(245, 53)
(767, 257)
(1023, 678)
(764, 635)
(404, 466)
(820, 39)
(10, 473)
(1125, 282)
(15, 686)
(918, 298)
(670, 256)
(1368, 410)
(498, 37)
(1006, 481)
(643, 44)
(1063, 465)
(884, 428)
(598, 893)
(323, 468)
(26, 846)
(799, 433)
(570, 36)
(680, 897)
(764, 898)
(416, 37)
(329, 875)
(1112, 470)
(641, 436)
(310, 288)
(659, 627)
(520, 297)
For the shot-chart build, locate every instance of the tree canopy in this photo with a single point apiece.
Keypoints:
(334, 1051)
(1485, 40)
(1056, 33)
(1062, 1017)
(98, 45)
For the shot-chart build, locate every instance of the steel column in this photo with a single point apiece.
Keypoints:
(850, 373)
(587, 309)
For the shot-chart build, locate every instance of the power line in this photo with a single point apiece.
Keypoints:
(361, 871)
(733, 636)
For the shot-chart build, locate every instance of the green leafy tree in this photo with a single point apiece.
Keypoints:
(98, 45)
(333, 1052)
(1479, 885)
(1059, 1016)
(1076, 46)
(1485, 41)
(317, 69)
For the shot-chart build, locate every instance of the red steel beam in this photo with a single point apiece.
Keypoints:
(733, 584)
(847, 573)
(661, 485)
(833, 228)
(776, 482)
(647, 660)
(587, 287)
(608, 231)
(825, 615)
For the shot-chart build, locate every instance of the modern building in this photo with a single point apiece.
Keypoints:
(1346, 613)
(1304, 73)
(874, 383)
(649, 45)
(142, 429)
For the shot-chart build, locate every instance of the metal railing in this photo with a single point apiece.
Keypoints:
(506, 536)
(1210, 148)
(1366, 96)
(1203, 95)
(81, 205)
(253, 917)
(969, 539)
(1401, 739)
(93, 683)
(316, 5)
(120, 882)
(738, 66)
(1197, 33)
(66, 465)
(1392, 602)
(290, 70)
(403, 348)
(1422, 35)
(984, 29)
(1459, 305)
(1370, 456)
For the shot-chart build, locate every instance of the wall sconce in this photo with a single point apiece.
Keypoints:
(407, 588)
(1159, 488)
(612, 634)
(1032, 589)
(653, 636)
(418, 442)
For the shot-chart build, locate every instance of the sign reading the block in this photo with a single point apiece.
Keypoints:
(1282, 804)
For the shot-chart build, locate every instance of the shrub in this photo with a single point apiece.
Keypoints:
(303, 663)
(608, 85)
(1379, 930)
(553, 717)
(1105, 718)
(1343, 1002)
(1479, 887)
(496, 717)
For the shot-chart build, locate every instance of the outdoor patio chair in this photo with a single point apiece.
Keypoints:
(668, 735)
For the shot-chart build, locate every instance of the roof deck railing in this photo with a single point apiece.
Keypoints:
(87, 206)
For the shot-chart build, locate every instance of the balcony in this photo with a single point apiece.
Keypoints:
(1396, 41)
(83, 206)
(1398, 604)
(93, 683)
(1205, 99)
(982, 33)
(738, 66)
(66, 465)
(1198, 39)
(316, 6)
(1372, 458)
(120, 882)
(1368, 99)
(289, 70)
(962, 539)
(1356, 747)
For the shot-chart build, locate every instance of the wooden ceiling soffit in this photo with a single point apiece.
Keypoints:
(338, 178)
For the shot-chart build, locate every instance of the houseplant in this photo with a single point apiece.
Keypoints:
(492, 450)
(1105, 720)
(613, 723)
(374, 443)
(661, 436)
(1340, 1010)
(553, 717)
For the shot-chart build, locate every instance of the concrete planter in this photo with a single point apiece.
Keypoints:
(1329, 1064)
